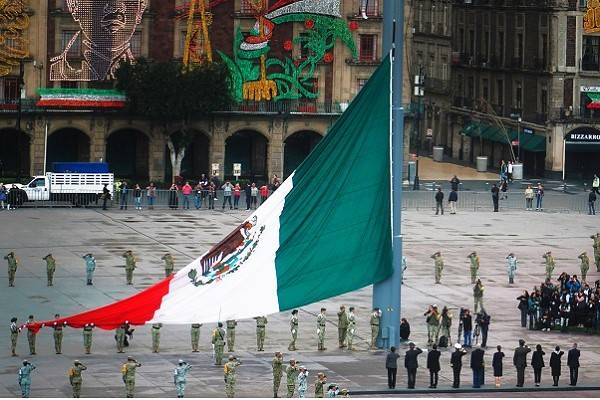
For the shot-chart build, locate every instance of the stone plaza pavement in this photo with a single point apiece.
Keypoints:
(70, 233)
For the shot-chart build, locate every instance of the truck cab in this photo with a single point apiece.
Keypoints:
(37, 189)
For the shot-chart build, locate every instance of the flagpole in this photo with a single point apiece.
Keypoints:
(387, 294)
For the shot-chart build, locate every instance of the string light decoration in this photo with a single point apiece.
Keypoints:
(13, 45)
(197, 46)
(80, 98)
(106, 29)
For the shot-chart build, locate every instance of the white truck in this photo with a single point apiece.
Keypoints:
(76, 188)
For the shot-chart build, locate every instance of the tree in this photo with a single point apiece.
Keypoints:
(170, 95)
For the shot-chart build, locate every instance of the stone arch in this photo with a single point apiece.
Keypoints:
(250, 148)
(196, 159)
(127, 153)
(14, 153)
(296, 148)
(67, 145)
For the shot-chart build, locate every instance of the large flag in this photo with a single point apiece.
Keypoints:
(324, 232)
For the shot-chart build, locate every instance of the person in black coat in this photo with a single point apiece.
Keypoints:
(556, 364)
(411, 364)
(433, 365)
(456, 364)
(520, 361)
(248, 194)
(477, 366)
(391, 364)
(404, 329)
(537, 363)
(439, 201)
(497, 365)
(495, 196)
(573, 363)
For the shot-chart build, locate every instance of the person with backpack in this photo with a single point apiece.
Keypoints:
(128, 373)
(75, 378)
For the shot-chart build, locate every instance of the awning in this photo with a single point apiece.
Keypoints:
(533, 143)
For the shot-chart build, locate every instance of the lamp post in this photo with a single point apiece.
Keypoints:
(419, 92)
(18, 124)
(519, 139)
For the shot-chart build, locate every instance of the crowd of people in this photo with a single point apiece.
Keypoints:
(203, 194)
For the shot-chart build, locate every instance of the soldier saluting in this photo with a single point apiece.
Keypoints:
(128, 371)
(13, 261)
(130, 265)
(50, 268)
(75, 378)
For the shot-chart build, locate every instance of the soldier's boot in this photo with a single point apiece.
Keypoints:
(511, 280)
(89, 282)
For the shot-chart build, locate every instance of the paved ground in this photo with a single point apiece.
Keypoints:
(69, 233)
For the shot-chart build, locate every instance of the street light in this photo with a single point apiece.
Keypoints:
(419, 92)
(18, 124)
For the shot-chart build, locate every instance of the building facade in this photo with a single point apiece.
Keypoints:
(74, 47)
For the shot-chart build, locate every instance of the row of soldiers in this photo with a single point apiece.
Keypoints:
(512, 263)
(90, 266)
(219, 337)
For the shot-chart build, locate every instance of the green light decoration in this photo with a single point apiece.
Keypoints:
(293, 81)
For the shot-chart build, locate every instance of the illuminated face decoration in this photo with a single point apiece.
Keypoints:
(106, 30)
(107, 24)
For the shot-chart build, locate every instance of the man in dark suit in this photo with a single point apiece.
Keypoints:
(433, 365)
(573, 363)
(477, 366)
(411, 364)
(456, 364)
(520, 361)
(391, 364)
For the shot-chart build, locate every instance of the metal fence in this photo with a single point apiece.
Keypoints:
(422, 200)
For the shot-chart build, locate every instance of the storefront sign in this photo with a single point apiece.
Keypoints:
(583, 134)
(590, 89)
(237, 170)
(528, 131)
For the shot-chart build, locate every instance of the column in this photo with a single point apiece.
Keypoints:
(216, 147)
(37, 148)
(156, 156)
(275, 150)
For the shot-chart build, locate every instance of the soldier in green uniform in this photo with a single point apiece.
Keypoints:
(90, 267)
(585, 265)
(75, 377)
(231, 324)
(195, 333)
(14, 335)
(320, 383)
(439, 266)
(550, 264)
(120, 336)
(58, 334)
(180, 377)
(31, 335)
(342, 326)
(277, 365)
(321, 319)
(156, 337)
(478, 290)
(88, 330)
(433, 324)
(291, 373)
(128, 371)
(24, 378)
(229, 370)
(293, 330)
(169, 263)
(375, 318)
(351, 328)
(50, 268)
(218, 341)
(12, 267)
(474, 259)
(129, 266)
(596, 238)
(261, 327)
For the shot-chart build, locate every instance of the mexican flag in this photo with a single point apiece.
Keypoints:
(324, 232)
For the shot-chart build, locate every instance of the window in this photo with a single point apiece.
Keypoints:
(246, 6)
(471, 42)
(136, 44)
(368, 47)
(544, 100)
(10, 89)
(485, 89)
(518, 96)
(360, 83)
(485, 46)
(444, 69)
(40, 182)
(500, 93)
(590, 60)
(197, 38)
(500, 48)
(461, 40)
(470, 88)
(372, 8)
(66, 37)
(544, 50)
(519, 49)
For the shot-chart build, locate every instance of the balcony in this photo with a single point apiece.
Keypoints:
(566, 114)
(437, 85)
(10, 105)
(285, 107)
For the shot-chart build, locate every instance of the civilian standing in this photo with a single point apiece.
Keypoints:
(404, 329)
(264, 193)
(236, 195)
(467, 322)
(198, 196)
(524, 307)
(212, 195)
(591, 202)
(433, 365)
(573, 363)
(537, 363)
(186, 191)
(123, 192)
(556, 364)
(137, 196)
(391, 364)
(227, 191)
(248, 193)
(539, 197)
(439, 201)
(105, 196)
(529, 198)
(173, 199)
(151, 195)
(452, 199)
(495, 196)
(254, 195)
(456, 364)
(411, 364)
(478, 367)
(454, 182)
(497, 362)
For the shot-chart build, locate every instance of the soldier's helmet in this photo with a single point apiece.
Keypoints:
(25, 362)
(181, 362)
(76, 362)
(231, 357)
(13, 319)
(130, 358)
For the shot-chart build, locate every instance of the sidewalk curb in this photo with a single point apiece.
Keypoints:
(469, 390)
